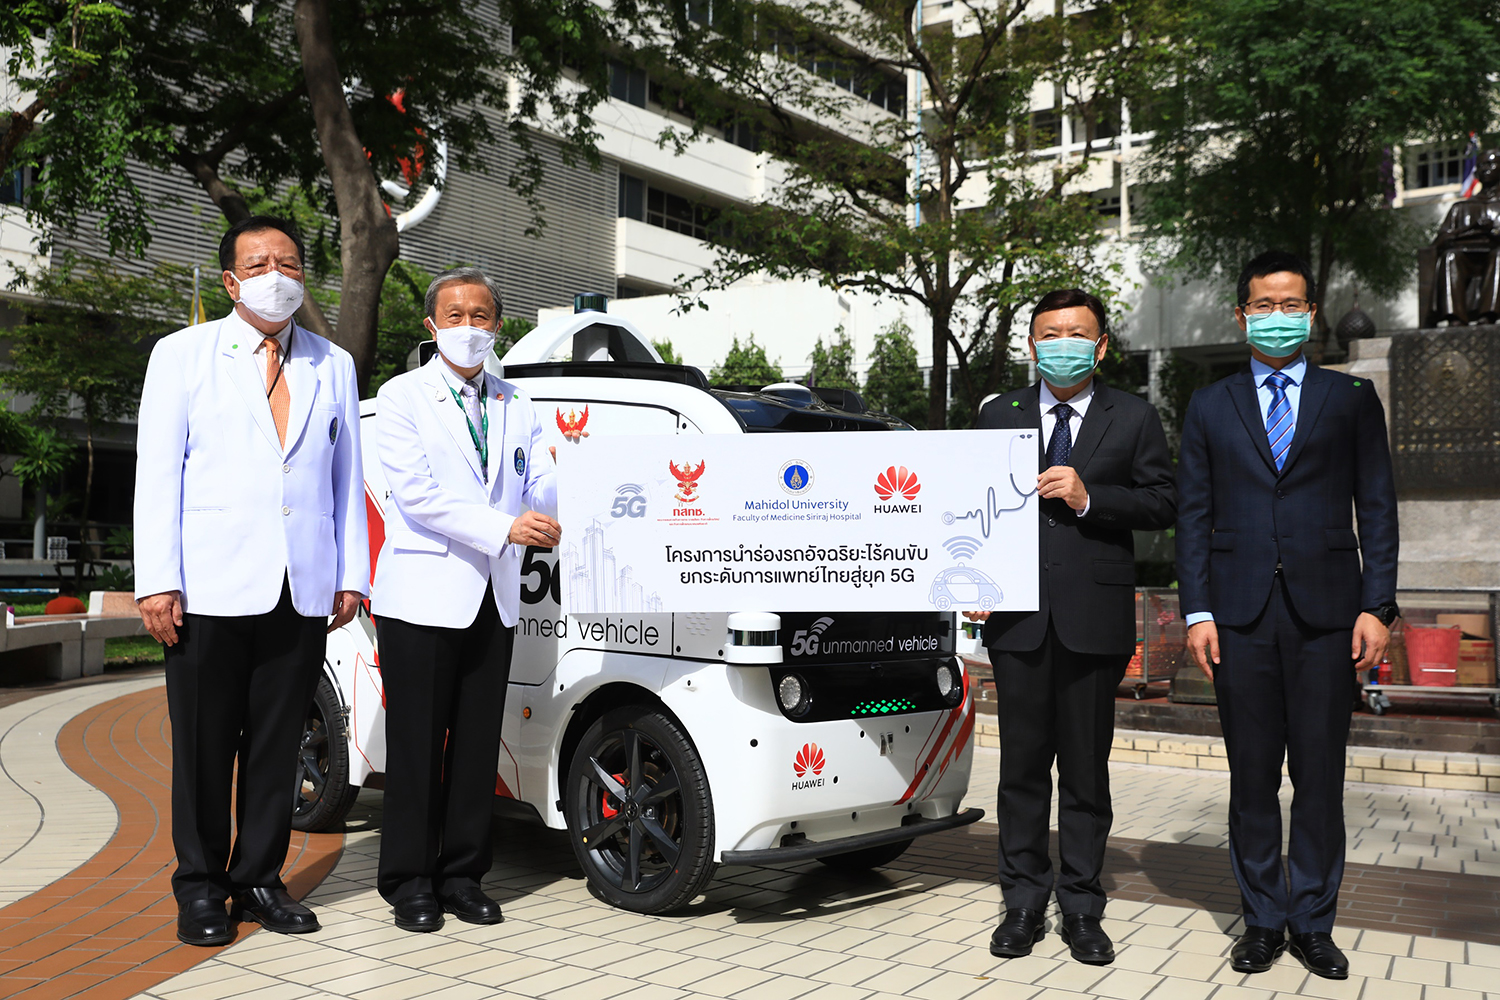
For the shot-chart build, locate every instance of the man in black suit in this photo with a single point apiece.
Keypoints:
(1276, 460)
(1108, 472)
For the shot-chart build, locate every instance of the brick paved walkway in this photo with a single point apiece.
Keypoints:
(108, 929)
(795, 932)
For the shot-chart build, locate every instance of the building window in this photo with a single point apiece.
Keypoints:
(632, 197)
(880, 89)
(15, 185)
(627, 83)
(676, 214)
(1436, 167)
(673, 212)
(743, 134)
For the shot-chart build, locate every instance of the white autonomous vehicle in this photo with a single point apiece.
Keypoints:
(669, 743)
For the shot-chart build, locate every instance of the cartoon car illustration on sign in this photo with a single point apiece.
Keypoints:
(668, 744)
(961, 585)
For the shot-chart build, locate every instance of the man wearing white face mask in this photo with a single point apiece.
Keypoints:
(249, 533)
(471, 486)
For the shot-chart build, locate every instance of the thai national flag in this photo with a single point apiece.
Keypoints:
(1470, 185)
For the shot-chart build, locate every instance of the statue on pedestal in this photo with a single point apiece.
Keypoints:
(1461, 270)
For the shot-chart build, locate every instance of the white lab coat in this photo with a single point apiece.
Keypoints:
(223, 512)
(446, 532)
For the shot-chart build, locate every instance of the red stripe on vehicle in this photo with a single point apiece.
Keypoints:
(953, 716)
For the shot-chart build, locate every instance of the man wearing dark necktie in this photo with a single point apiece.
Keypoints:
(1108, 472)
(1284, 602)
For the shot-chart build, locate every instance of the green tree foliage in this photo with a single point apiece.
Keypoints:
(401, 315)
(832, 364)
(850, 214)
(894, 382)
(668, 353)
(82, 351)
(1280, 125)
(303, 95)
(746, 364)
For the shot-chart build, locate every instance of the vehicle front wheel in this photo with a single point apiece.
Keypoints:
(640, 815)
(324, 795)
(866, 858)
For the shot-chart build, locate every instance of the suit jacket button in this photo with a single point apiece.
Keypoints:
(1051, 522)
(1281, 494)
(285, 511)
(286, 468)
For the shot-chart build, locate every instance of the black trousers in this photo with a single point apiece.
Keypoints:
(445, 696)
(1055, 705)
(1285, 690)
(238, 687)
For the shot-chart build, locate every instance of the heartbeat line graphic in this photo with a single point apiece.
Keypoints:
(991, 509)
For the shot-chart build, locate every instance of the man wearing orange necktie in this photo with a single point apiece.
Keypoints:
(249, 534)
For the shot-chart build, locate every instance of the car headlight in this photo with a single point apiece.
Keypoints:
(950, 683)
(794, 695)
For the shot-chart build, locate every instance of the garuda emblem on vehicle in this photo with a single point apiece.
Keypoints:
(572, 426)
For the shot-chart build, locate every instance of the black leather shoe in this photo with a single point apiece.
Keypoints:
(419, 913)
(1017, 933)
(203, 922)
(1257, 949)
(1086, 939)
(472, 907)
(1321, 956)
(274, 910)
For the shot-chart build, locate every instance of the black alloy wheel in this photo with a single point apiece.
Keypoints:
(640, 817)
(323, 794)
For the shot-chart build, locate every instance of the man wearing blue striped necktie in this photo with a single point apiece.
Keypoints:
(1284, 602)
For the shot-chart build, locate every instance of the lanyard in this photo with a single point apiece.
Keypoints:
(480, 437)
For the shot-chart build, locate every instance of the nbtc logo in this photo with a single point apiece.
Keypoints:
(809, 759)
(897, 483)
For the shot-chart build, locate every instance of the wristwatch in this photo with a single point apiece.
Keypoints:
(1387, 613)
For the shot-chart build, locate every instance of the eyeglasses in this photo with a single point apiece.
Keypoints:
(1264, 307)
(290, 268)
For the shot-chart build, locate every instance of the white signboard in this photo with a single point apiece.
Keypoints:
(850, 521)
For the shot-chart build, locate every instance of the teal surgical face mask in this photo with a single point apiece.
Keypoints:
(1277, 335)
(1065, 361)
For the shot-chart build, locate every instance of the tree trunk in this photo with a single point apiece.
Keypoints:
(88, 490)
(937, 398)
(369, 242)
(39, 525)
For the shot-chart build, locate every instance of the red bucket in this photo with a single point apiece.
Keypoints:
(1432, 652)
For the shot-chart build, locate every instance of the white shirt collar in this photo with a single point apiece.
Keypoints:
(1079, 403)
(1296, 371)
(456, 380)
(282, 336)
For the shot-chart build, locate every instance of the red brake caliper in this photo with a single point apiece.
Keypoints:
(605, 809)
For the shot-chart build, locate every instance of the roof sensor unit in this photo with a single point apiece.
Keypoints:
(590, 302)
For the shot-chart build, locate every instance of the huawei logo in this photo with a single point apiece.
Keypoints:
(897, 480)
(809, 758)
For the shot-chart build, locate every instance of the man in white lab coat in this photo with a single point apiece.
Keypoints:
(463, 457)
(249, 533)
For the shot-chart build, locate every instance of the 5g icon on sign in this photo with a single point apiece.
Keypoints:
(629, 502)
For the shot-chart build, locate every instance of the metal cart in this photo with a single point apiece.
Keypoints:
(1422, 607)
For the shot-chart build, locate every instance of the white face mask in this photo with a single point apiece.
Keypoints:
(465, 346)
(271, 296)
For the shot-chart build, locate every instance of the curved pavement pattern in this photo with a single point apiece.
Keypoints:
(797, 932)
(105, 927)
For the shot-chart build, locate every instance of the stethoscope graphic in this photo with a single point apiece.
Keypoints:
(991, 510)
